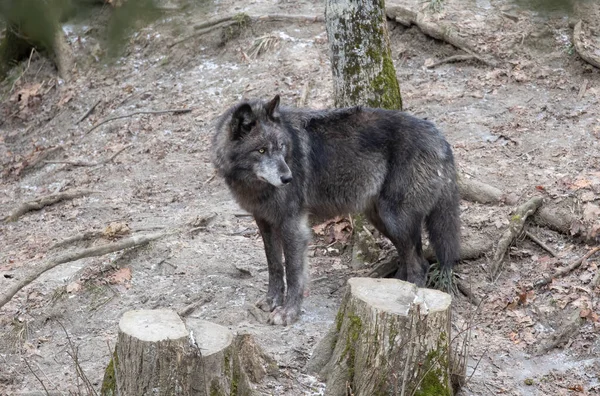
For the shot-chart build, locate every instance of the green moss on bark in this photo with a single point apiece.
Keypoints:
(109, 384)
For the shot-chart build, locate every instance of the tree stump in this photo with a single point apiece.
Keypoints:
(156, 353)
(389, 338)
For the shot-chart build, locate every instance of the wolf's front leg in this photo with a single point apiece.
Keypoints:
(295, 235)
(273, 251)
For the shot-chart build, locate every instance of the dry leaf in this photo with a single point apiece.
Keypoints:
(120, 276)
(74, 287)
(116, 229)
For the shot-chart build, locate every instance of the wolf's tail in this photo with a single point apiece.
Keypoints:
(443, 226)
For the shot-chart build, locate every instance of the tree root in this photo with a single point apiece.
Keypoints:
(442, 32)
(127, 243)
(89, 164)
(174, 111)
(241, 19)
(515, 227)
(42, 202)
(584, 45)
(571, 267)
(476, 191)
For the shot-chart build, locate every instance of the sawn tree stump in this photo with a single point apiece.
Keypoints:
(157, 354)
(389, 338)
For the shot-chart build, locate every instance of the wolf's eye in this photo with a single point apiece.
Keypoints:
(262, 150)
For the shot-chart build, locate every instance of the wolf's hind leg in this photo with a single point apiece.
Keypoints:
(273, 251)
(403, 227)
(295, 236)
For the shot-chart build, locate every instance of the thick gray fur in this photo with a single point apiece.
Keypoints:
(282, 164)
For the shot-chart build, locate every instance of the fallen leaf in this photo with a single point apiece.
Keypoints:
(74, 287)
(120, 276)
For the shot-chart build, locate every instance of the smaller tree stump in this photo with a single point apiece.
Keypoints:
(389, 338)
(157, 354)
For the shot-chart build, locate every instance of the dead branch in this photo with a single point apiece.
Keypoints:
(584, 47)
(566, 331)
(515, 227)
(42, 202)
(571, 267)
(457, 58)
(174, 111)
(540, 243)
(97, 163)
(440, 31)
(134, 241)
(87, 113)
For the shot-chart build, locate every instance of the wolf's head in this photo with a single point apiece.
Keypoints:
(251, 145)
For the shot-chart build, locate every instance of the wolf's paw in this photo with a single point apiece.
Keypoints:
(284, 316)
(268, 304)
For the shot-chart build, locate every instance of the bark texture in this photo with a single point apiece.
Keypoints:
(157, 354)
(389, 338)
(363, 72)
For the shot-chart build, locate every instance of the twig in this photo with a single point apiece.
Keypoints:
(36, 377)
(571, 267)
(174, 111)
(84, 163)
(542, 244)
(42, 202)
(134, 241)
(458, 58)
(515, 227)
(87, 113)
(78, 369)
(24, 71)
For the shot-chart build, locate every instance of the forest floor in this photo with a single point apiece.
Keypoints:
(529, 126)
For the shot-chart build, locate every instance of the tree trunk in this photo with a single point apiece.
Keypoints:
(156, 353)
(389, 338)
(361, 61)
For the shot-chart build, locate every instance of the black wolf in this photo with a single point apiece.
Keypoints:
(282, 164)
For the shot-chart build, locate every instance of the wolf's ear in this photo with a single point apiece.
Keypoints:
(242, 121)
(272, 107)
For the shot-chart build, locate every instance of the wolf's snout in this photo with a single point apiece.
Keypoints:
(286, 179)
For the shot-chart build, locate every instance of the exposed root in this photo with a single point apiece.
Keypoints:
(585, 47)
(174, 111)
(89, 164)
(570, 268)
(433, 29)
(127, 243)
(42, 202)
(515, 227)
(540, 243)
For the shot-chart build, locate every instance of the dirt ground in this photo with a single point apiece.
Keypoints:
(529, 126)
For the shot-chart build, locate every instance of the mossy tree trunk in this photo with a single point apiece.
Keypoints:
(34, 24)
(361, 61)
(363, 74)
(389, 338)
(156, 353)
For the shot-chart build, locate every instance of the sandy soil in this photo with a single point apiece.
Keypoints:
(529, 126)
